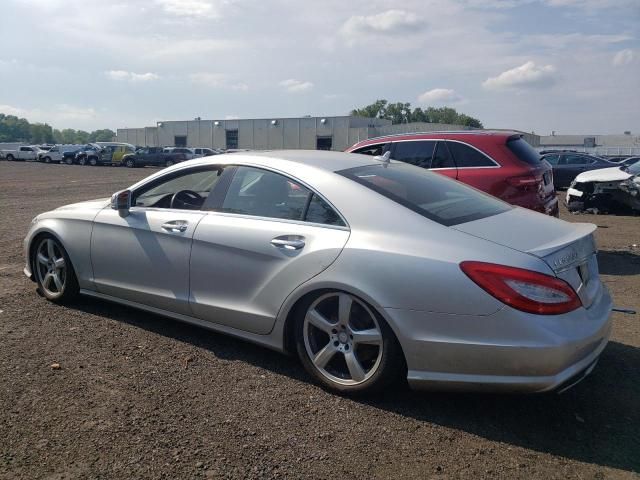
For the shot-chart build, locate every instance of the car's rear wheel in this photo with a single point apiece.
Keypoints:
(130, 163)
(168, 163)
(345, 345)
(82, 161)
(47, 159)
(93, 161)
(53, 270)
(69, 161)
(9, 158)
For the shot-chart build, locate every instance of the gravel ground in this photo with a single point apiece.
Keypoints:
(139, 396)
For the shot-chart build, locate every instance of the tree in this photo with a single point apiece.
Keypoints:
(402, 113)
(376, 110)
(14, 129)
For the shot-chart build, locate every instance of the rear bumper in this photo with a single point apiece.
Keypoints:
(550, 207)
(509, 351)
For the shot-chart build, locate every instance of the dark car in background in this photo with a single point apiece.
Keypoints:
(498, 162)
(153, 156)
(568, 165)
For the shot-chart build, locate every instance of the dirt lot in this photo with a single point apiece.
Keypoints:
(139, 396)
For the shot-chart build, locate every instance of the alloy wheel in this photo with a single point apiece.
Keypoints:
(51, 267)
(343, 338)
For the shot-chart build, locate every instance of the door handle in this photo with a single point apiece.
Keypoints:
(175, 226)
(286, 244)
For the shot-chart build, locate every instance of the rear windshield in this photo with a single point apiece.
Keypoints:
(523, 151)
(430, 194)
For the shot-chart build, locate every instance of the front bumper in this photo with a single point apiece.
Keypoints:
(509, 351)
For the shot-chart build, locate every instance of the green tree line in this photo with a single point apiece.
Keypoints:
(14, 129)
(403, 113)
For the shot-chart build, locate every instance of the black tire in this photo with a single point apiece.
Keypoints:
(93, 161)
(68, 161)
(168, 163)
(70, 289)
(47, 159)
(82, 161)
(9, 158)
(130, 163)
(389, 369)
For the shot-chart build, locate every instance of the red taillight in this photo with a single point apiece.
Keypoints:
(524, 290)
(524, 181)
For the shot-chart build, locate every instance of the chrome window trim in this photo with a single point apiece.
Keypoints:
(495, 164)
(345, 228)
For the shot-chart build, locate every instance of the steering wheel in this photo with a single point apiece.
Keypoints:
(186, 199)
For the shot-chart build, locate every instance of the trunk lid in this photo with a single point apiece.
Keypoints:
(567, 248)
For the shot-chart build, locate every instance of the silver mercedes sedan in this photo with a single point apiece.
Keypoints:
(370, 270)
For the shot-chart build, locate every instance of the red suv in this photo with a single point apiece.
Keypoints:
(500, 163)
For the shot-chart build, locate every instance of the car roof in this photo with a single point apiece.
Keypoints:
(327, 161)
(445, 133)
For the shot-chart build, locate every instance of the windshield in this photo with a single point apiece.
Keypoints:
(633, 169)
(430, 194)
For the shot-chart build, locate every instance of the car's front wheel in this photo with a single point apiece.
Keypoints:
(69, 161)
(53, 270)
(168, 163)
(344, 344)
(82, 161)
(93, 161)
(9, 158)
(130, 163)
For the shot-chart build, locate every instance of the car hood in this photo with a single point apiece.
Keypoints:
(613, 174)
(560, 244)
(99, 203)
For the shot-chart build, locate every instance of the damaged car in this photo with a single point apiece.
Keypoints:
(606, 189)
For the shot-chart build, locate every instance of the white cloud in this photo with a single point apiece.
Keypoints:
(51, 115)
(623, 57)
(294, 86)
(528, 75)
(217, 80)
(439, 96)
(122, 75)
(385, 23)
(192, 8)
(11, 110)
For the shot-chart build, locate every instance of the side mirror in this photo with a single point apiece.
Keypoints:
(121, 201)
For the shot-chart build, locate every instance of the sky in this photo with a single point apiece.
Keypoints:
(569, 66)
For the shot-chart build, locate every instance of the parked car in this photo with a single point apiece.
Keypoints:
(69, 156)
(567, 165)
(22, 153)
(422, 277)
(57, 153)
(500, 163)
(105, 153)
(84, 152)
(605, 188)
(629, 161)
(203, 152)
(152, 156)
(187, 152)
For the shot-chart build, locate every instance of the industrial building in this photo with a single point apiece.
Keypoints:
(321, 133)
(335, 133)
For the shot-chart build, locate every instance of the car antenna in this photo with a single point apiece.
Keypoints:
(385, 158)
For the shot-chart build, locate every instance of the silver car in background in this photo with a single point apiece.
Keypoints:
(369, 270)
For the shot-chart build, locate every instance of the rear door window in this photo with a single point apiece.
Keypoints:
(414, 152)
(552, 159)
(467, 157)
(442, 157)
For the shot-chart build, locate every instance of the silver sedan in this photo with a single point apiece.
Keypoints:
(371, 271)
